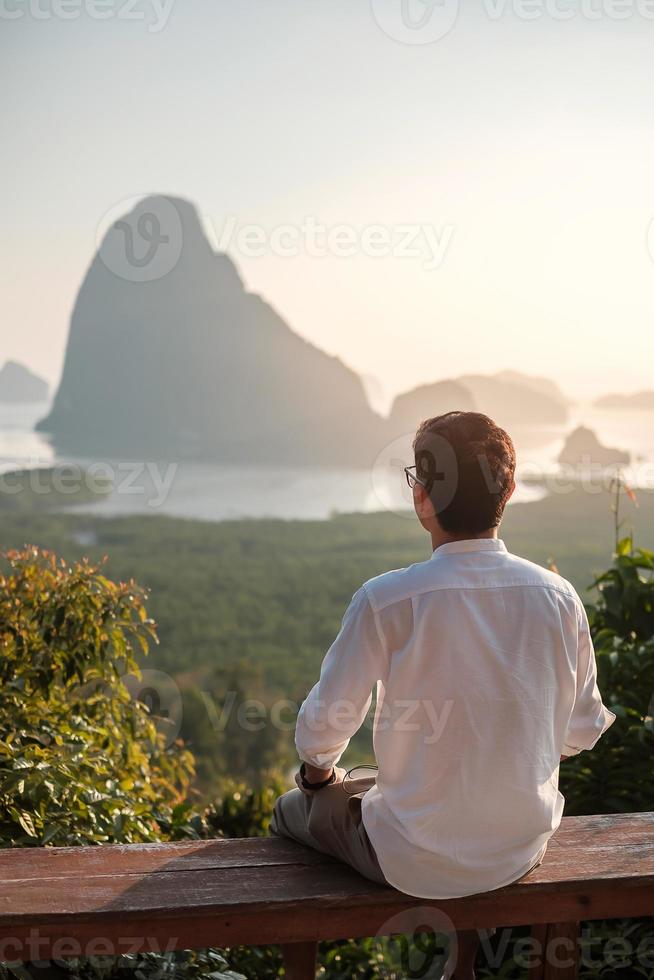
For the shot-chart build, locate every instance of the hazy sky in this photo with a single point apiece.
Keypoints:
(525, 145)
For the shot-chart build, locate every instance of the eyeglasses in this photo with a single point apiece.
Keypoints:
(412, 477)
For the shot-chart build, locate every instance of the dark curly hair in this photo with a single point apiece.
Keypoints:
(467, 465)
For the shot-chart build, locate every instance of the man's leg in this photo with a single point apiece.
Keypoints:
(329, 821)
(291, 818)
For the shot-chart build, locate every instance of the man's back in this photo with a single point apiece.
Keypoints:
(486, 676)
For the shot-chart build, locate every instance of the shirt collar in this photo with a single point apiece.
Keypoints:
(470, 545)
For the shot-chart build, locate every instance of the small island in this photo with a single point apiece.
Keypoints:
(638, 401)
(19, 384)
(50, 488)
(583, 448)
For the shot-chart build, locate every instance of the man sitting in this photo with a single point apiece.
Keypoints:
(485, 677)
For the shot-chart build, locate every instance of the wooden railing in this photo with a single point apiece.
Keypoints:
(59, 902)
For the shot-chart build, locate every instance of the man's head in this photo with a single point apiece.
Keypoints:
(465, 467)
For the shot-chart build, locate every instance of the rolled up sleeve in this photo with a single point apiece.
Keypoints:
(337, 705)
(590, 718)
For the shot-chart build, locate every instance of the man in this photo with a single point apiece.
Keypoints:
(485, 676)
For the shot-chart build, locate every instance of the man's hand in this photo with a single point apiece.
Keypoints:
(314, 775)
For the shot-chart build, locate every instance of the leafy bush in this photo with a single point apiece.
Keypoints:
(243, 811)
(618, 776)
(81, 761)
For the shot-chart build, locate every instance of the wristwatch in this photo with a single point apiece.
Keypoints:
(315, 786)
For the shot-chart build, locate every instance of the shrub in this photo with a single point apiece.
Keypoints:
(618, 775)
(244, 811)
(81, 761)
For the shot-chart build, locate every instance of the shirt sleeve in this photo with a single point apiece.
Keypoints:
(589, 719)
(337, 705)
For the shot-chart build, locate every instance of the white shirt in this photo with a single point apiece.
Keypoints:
(485, 675)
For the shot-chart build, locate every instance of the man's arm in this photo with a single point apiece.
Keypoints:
(337, 706)
(589, 719)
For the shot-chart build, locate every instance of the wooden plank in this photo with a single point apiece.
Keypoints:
(21, 864)
(556, 953)
(609, 863)
(617, 829)
(539, 936)
(300, 960)
(233, 888)
(614, 830)
(180, 930)
(575, 833)
(226, 894)
(561, 951)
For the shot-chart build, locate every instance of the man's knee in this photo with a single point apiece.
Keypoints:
(273, 826)
(284, 820)
(277, 819)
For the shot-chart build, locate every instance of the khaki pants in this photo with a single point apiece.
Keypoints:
(330, 821)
